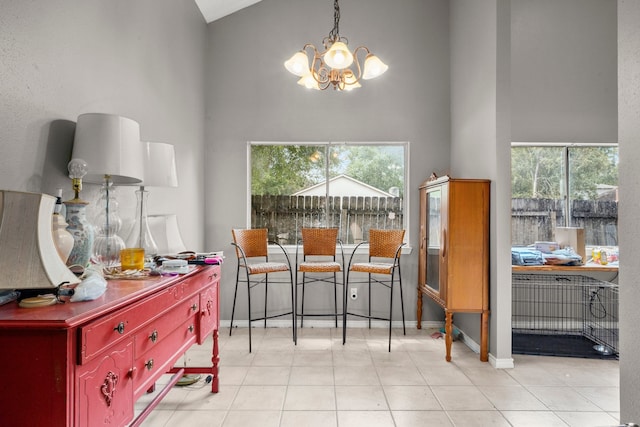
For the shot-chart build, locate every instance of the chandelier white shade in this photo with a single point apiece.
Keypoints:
(336, 66)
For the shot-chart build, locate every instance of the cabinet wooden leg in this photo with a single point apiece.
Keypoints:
(419, 314)
(448, 338)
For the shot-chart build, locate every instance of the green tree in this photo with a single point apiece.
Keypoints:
(285, 169)
(538, 172)
(590, 167)
(380, 167)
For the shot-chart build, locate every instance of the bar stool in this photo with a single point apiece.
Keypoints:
(385, 248)
(319, 265)
(252, 252)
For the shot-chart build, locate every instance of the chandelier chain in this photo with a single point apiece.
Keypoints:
(334, 34)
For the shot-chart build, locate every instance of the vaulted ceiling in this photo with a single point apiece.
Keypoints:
(216, 9)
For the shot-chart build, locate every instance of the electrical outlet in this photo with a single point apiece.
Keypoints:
(354, 293)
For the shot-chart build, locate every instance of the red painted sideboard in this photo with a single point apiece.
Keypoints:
(86, 363)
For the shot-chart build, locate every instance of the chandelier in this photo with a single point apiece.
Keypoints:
(336, 67)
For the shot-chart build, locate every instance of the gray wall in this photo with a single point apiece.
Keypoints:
(480, 145)
(64, 58)
(629, 229)
(564, 70)
(408, 103)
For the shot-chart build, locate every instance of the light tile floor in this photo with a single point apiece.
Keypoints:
(321, 382)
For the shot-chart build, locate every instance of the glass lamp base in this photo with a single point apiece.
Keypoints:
(140, 235)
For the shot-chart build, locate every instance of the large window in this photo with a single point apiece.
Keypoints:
(564, 185)
(352, 186)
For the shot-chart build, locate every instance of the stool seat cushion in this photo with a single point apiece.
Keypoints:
(372, 267)
(267, 267)
(319, 267)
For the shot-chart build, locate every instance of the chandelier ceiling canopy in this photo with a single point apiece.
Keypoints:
(336, 66)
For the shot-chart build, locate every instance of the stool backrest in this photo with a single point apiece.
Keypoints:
(319, 241)
(385, 243)
(253, 241)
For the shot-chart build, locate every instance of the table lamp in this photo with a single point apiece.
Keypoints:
(159, 171)
(166, 234)
(77, 224)
(111, 147)
(28, 255)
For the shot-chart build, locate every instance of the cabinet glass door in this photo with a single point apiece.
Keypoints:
(434, 201)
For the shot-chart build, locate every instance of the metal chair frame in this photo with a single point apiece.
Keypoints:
(256, 247)
(322, 244)
(382, 245)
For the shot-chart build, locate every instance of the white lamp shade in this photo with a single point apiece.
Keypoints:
(110, 145)
(373, 67)
(298, 64)
(166, 234)
(28, 255)
(338, 56)
(160, 165)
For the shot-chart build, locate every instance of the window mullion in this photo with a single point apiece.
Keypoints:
(567, 199)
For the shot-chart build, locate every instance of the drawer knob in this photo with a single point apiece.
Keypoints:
(119, 328)
(149, 364)
(191, 328)
(194, 307)
(154, 336)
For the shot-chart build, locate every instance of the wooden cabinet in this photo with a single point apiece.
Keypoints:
(453, 266)
(86, 363)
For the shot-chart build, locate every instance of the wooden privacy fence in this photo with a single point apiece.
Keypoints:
(352, 216)
(531, 219)
(536, 219)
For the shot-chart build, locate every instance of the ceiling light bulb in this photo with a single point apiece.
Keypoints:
(338, 56)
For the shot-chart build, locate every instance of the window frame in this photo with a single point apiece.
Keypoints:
(566, 181)
(329, 144)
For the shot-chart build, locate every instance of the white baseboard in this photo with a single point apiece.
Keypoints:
(501, 363)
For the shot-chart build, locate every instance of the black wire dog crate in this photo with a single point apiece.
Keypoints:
(564, 315)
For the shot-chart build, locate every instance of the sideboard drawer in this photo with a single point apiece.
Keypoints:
(154, 332)
(99, 335)
(149, 366)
